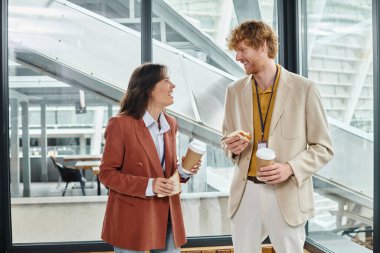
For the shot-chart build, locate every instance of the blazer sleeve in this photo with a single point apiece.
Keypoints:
(319, 150)
(228, 126)
(112, 162)
(174, 126)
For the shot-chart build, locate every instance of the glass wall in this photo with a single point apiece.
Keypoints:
(69, 64)
(68, 68)
(337, 53)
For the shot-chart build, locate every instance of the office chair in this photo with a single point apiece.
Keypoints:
(69, 175)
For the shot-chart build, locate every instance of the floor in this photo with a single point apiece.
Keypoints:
(221, 249)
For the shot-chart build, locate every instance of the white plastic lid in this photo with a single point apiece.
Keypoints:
(197, 147)
(265, 154)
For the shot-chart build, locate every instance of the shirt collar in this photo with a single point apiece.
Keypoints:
(149, 121)
(269, 89)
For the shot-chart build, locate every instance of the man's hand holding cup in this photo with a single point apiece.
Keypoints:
(275, 173)
(237, 141)
(268, 171)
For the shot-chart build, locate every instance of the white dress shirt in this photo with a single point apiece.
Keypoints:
(158, 139)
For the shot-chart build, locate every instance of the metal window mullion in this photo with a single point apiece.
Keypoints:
(376, 117)
(5, 215)
(288, 33)
(146, 31)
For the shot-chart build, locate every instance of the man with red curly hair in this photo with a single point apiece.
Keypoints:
(283, 112)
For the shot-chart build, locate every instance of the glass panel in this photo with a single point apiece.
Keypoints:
(68, 68)
(192, 44)
(339, 59)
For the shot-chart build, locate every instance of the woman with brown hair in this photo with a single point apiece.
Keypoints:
(139, 157)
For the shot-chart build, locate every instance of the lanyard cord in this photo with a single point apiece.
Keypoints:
(262, 123)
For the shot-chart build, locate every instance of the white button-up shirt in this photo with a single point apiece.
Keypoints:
(158, 139)
(156, 133)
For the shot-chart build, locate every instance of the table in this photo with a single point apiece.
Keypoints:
(70, 158)
(90, 165)
(86, 162)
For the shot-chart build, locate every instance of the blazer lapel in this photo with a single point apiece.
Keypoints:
(168, 145)
(147, 143)
(282, 98)
(246, 99)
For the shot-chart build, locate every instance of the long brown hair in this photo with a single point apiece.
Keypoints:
(141, 84)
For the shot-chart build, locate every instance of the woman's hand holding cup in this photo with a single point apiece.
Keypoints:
(191, 162)
(195, 168)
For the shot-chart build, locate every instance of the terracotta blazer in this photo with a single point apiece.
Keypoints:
(132, 220)
(298, 134)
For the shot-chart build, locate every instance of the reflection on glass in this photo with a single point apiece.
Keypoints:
(339, 60)
(68, 67)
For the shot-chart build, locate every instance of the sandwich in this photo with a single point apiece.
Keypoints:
(177, 189)
(242, 135)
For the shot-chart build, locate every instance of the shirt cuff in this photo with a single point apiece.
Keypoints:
(149, 188)
(183, 174)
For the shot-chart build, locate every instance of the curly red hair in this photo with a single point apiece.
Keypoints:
(254, 33)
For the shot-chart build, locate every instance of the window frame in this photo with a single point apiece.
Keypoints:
(289, 35)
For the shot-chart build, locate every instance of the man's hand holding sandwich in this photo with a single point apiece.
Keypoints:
(237, 141)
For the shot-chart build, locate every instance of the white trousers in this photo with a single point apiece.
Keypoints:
(259, 216)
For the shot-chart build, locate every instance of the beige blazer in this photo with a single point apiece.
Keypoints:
(298, 134)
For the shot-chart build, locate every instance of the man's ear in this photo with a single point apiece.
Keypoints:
(263, 47)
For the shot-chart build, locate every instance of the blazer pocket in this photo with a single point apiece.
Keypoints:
(293, 124)
(305, 199)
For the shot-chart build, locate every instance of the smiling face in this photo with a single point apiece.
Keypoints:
(162, 93)
(253, 59)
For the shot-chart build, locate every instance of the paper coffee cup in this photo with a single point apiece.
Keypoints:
(265, 157)
(195, 151)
